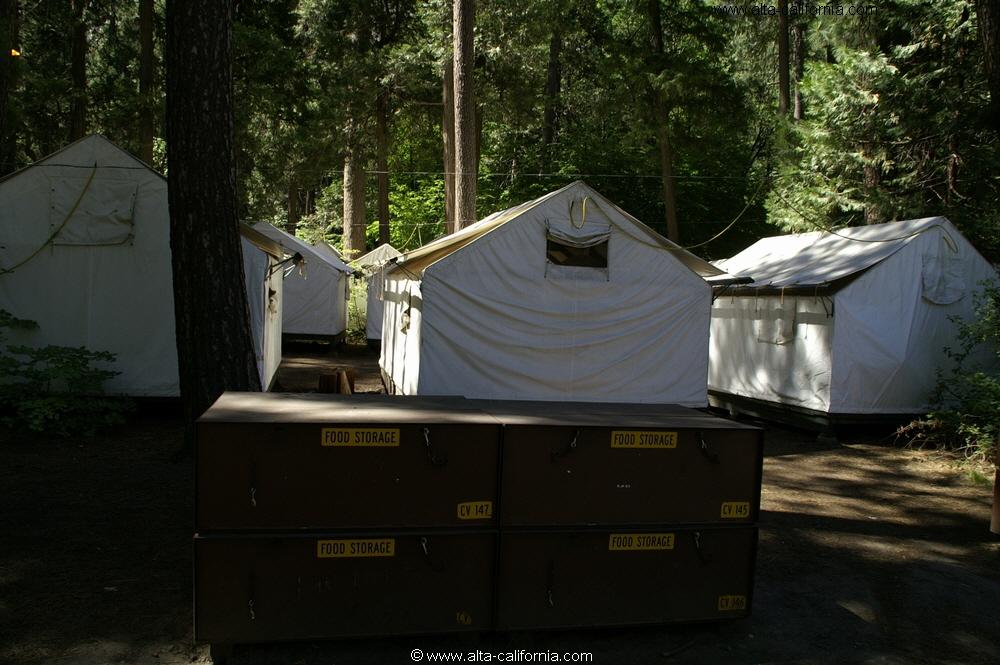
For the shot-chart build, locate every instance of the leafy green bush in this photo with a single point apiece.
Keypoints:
(55, 389)
(967, 417)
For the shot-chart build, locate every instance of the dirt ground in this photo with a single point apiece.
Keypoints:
(868, 554)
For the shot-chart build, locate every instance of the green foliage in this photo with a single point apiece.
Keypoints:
(968, 415)
(55, 389)
(894, 127)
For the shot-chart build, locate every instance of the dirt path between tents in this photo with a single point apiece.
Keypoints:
(867, 554)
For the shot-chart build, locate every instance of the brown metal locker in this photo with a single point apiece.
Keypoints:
(272, 462)
(584, 464)
(614, 577)
(281, 587)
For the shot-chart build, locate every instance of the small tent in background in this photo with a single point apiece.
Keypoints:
(314, 303)
(262, 265)
(372, 266)
(85, 253)
(566, 297)
(845, 323)
(326, 250)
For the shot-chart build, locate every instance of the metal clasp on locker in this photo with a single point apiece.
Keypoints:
(702, 555)
(431, 456)
(568, 449)
(709, 454)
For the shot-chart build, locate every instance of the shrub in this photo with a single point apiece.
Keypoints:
(55, 389)
(967, 413)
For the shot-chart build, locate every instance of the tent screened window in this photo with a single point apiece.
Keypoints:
(561, 254)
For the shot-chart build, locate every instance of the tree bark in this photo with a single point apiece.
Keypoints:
(872, 177)
(783, 97)
(78, 72)
(465, 114)
(354, 204)
(553, 84)
(800, 66)
(661, 118)
(214, 343)
(382, 164)
(147, 103)
(8, 84)
(988, 15)
(995, 517)
(448, 140)
(294, 209)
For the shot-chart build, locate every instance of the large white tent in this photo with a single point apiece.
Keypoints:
(847, 322)
(85, 253)
(566, 297)
(316, 292)
(262, 265)
(372, 267)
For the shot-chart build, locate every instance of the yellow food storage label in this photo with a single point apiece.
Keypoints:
(365, 547)
(366, 437)
(639, 542)
(638, 439)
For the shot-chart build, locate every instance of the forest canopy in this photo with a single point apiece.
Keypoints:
(735, 120)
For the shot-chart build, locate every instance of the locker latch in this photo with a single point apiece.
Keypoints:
(431, 455)
(568, 449)
(702, 555)
(709, 454)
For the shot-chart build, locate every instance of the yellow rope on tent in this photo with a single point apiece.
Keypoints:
(583, 217)
(79, 199)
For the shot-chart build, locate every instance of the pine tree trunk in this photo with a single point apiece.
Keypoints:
(8, 84)
(995, 518)
(783, 97)
(988, 15)
(553, 84)
(214, 343)
(661, 118)
(78, 72)
(448, 140)
(294, 209)
(871, 181)
(382, 164)
(465, 115)
(800, 67)
(354, 205)
(147, 104)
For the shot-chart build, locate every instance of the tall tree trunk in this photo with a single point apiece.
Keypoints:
(78, 72)
(382, 164)
(799, 67)
(553, 84)
(294, 209)
(448, 139)
(214, 343)
(661, 118)
(147, 104)
(354, 204)
(8, 84)
(465, 115)
(872, 177)
(988, 15)
(783, 97)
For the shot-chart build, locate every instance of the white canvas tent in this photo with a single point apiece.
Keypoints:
(262, 265)
(85, 253)
(372, 266)
(566, 297)
(314, 302)
(849, 322)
